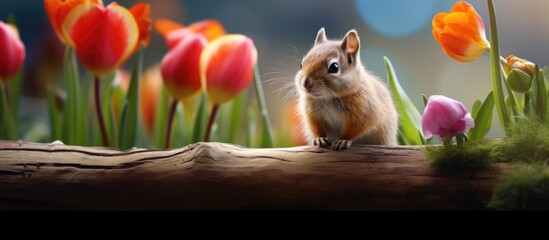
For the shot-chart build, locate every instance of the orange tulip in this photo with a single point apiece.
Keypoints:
(173, 32)
(180, 67)
(226, 66)
(12, 52)
(461, 32)
(104, 37)
(57, 10)
(142, 15)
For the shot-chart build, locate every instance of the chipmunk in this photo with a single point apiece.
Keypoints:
(339, 100)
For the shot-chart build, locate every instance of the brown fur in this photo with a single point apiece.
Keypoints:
(353, 105)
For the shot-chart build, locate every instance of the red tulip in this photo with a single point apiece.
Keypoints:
(180, 67)
(12, 52)
(57, 10)
(104, 37)
(142, 14)
(226, 66)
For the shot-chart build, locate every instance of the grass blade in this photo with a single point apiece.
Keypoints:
(541, 95)
(128, 125)
(7, 125)
(54, 116)
(236, 116)
(200, 120)
(266, 132)
(160, 120)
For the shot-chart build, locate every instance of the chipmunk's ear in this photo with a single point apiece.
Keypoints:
(351, 45)
(321, 36)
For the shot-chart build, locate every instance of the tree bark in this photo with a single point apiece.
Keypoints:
(217, 176)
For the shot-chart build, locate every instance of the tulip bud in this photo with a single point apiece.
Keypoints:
(180, 67)
(12, 52)
(445, 117)
(520, 73)
(226, 66)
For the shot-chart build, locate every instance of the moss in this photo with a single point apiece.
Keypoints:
(528, 142)
(471, 156)
(525, 188)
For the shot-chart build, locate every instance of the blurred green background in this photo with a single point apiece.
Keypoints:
(284, 30)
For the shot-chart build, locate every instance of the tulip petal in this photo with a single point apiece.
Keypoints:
(211, 29)
(142, 15)
(12, 52)
(103, 37)
(57, 10)
(174, 37)
(164, 26)
(227, 66)
(445, 117)
(180, 67)
(461, 32)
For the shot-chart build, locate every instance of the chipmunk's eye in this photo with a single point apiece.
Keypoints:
(334, 68)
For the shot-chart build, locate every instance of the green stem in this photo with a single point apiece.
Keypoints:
(99, 110)
(9, 124)
(215, 108)
(527, 99)
(495, 68)
(447, 141)
(267, 135)
(171, 115)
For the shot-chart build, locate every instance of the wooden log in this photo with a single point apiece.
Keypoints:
(217, 176)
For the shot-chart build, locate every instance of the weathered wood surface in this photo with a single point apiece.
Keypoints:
(216, 176)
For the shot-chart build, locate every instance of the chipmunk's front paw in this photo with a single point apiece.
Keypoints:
(321, 142)
(341, 144)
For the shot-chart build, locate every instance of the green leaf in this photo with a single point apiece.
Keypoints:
(14, 92)
(128, 126)
(495, 68)
(200, 120)
(7, 126)
(476, 107)
(54, 114)
(161, 118)
(179, 128)
(251, 126)
(266, 133)
(541, 95)
(483, 119)
(236, 116)
(72, 112)
(423, 142)
(410, 118)
(425, 100)
(106, 106)
(512, 103)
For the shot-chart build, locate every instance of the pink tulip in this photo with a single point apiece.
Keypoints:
(12, 52)
(445, 117)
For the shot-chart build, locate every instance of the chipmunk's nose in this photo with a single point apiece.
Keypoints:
(308, 84)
